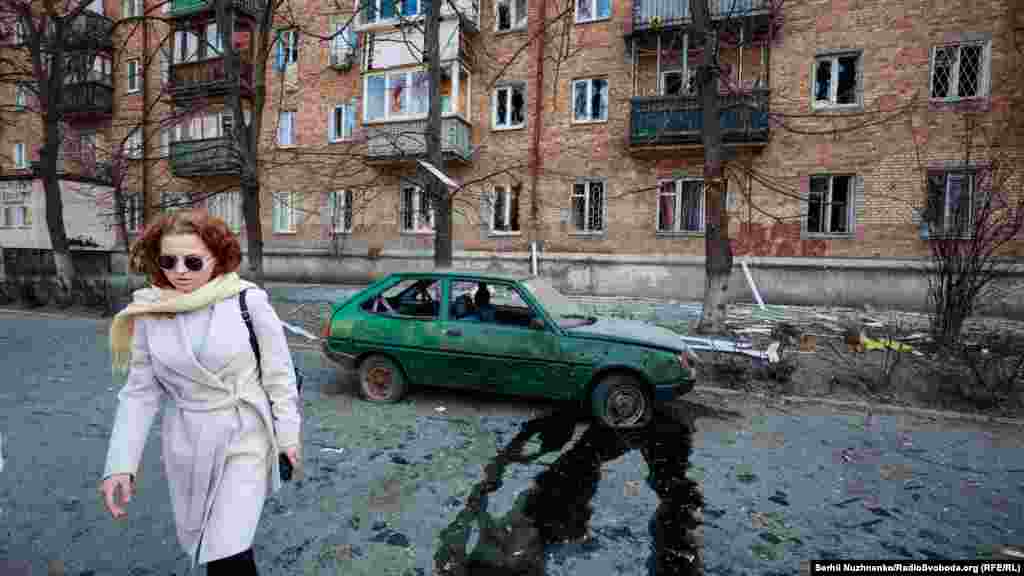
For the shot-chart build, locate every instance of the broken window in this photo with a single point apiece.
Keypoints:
(505, 208)
(958, 71)
(836, 80)
(417, 212)
(590, 100)
(672, 82)
(829, 204)
(510, 106)
(950, 203)
(588, 206)
(681, 206)
(511, 15)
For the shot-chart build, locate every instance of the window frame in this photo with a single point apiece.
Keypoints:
(343, 44)
(21, 93)
(509, 88)
(287, 50)
(505, 190)
(826, 206)
(833, 57)
(133, 70)
(283, 201)
(227, 206)
(409, 74)
(985, 74)
(135, 9)
(333, 206)
(20, 156)
(517, 22)
(281, 115)
(590, 100)
(132, 212)
(677, 206)
(970, 176)
(347, 113)
(418, 194)
(588, 231)
(399, 13)
(593, 8)
(16, 200)
(133, 146)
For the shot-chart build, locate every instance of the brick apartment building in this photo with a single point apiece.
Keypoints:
(583, 141)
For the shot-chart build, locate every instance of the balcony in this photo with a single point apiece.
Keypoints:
(659, 121)
(87, 99)
(201, 158)
(406, 141)
(98, 172)
(180, 8)
(89, 30)
(655, 15)
(206, 78)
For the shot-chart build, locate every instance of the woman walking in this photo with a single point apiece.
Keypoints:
(228, 416)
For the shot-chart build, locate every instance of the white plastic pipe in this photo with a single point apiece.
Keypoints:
(750, 280)
(533, 257)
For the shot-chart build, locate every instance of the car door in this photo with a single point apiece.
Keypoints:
(408, 328)
(460, 344)
(507, 354)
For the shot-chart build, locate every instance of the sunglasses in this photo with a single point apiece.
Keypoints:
(192, 262)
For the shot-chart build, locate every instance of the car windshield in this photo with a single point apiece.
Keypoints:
(556, 303)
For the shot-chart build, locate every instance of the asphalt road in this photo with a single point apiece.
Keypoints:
(412, 489)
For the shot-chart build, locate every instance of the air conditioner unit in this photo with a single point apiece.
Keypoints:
(341, 59)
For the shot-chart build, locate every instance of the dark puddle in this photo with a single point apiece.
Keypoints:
(556, 509)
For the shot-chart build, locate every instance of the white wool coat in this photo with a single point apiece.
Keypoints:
(222, 427)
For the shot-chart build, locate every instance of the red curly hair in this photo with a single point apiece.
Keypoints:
(219, 240)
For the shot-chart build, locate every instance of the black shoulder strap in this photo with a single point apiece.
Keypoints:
(252, 333)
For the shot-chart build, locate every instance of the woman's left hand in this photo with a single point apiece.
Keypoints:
(292, 452)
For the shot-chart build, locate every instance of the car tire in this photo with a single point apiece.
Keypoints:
(621, 400)
(381, 380)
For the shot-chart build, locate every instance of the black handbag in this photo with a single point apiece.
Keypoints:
(284, 464)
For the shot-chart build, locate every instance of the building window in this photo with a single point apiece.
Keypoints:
(343, 44)
(590, 10)
(340, 209)
(133, 212)
(186, 46)
(20, 159)
(590, 100)
(20, 97)
(133, 145)
(341, 123)
(286, 128)
(509, 107)
(16, 209)
(284, 212)
(588, 199)
(131, 8)
(681, 206)
(510, 15)
(960, 71)
(504, 205)
(228, 207)
(830, 204)
(396, 95)
(20, 34)
(950, 209)
(836, 80)
(383, 10)
(133, 75)
(286, 49)
(417, 213)
(213, 45)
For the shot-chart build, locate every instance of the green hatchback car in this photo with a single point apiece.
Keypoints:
(514, 335)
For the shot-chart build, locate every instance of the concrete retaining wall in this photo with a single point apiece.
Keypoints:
(880, 283)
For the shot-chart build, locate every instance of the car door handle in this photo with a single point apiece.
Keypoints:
(453, 332)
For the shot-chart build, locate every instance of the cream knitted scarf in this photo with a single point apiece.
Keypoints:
(157, 301)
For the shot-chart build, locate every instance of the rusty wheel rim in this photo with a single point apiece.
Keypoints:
(379, 382)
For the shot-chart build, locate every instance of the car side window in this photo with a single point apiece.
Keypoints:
(490, 303)
(413, 298)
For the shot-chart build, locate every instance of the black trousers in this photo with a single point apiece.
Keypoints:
(241, 564)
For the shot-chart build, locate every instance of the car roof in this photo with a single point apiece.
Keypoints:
(465, 274)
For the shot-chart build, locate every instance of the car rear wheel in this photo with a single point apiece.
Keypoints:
(381, 380)
(622, 401)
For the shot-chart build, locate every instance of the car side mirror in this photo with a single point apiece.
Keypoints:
(536, 324)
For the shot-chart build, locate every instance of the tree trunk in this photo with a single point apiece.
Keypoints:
(253, 228)
(436, 191)
(718, 252)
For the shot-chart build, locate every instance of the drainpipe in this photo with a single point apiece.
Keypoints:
(535, 156)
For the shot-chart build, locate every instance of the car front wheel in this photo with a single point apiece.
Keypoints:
(622, 401)
(381, 380)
